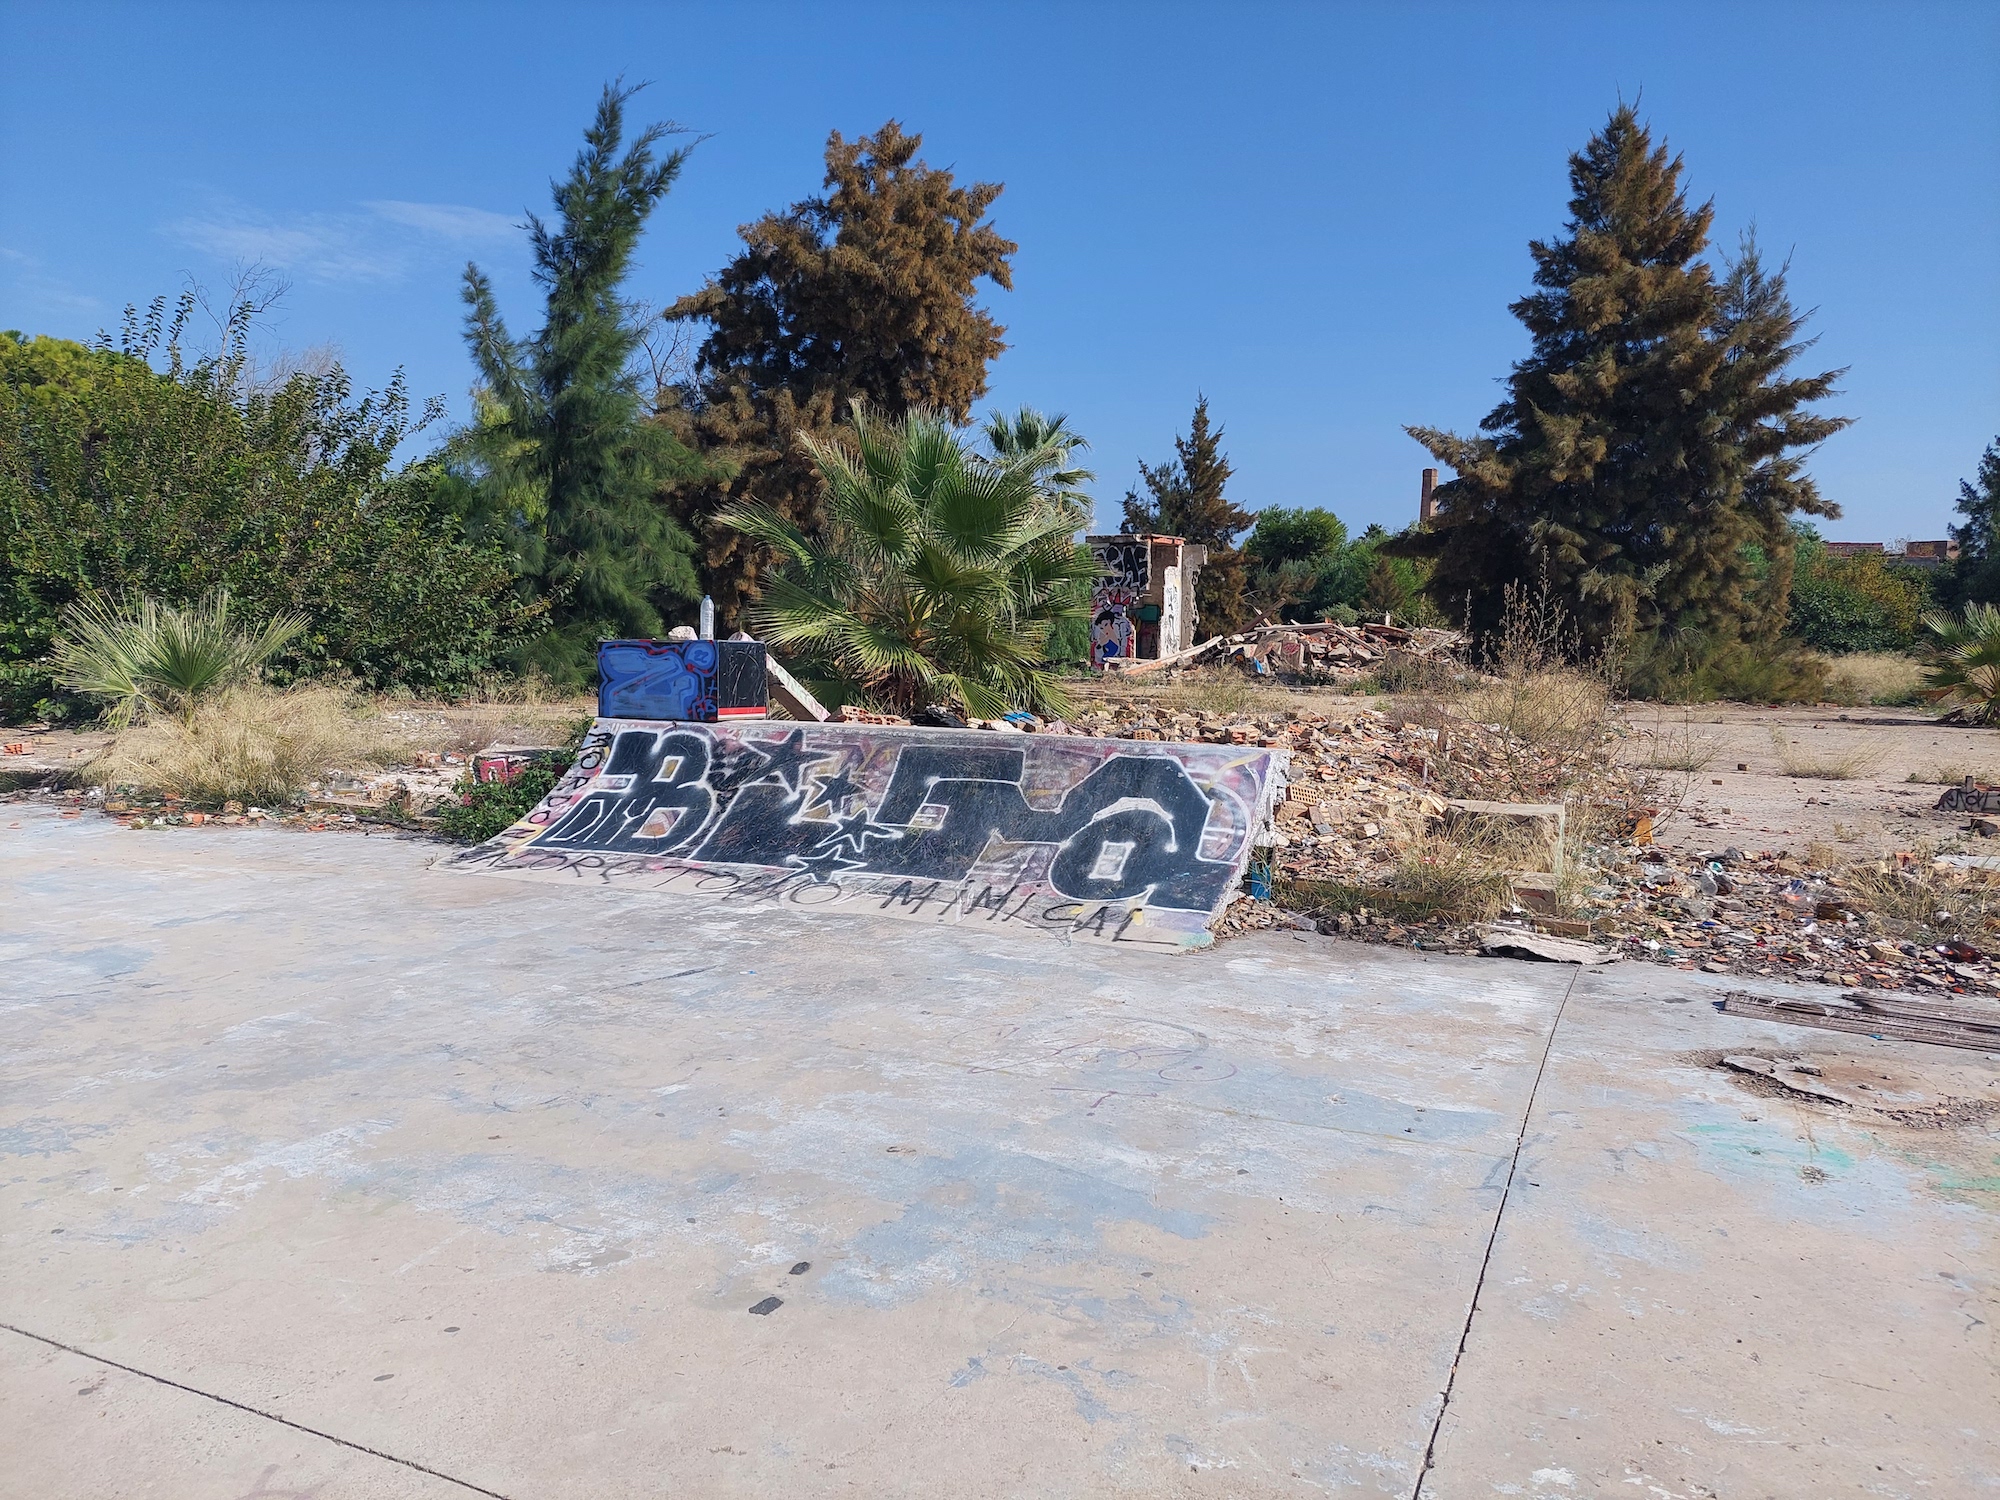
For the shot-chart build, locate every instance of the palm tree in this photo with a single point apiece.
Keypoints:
(940, 571)
(1964, 670)
(142, 655)
(1054, 443)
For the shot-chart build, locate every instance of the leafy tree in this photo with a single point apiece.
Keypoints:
(122, 479)
(863, 293)
(561, 451)
(1858, 602)
(938, 574)
(1294, 559)
(1976, 575)
(1185, 498)
(1651, 435)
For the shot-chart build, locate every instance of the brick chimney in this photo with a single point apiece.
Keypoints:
(1427, 506)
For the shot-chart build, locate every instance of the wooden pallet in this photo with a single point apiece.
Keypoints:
(1900, 1018)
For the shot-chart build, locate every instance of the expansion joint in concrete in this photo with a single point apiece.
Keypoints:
(1506, 1192)
(268, 1416)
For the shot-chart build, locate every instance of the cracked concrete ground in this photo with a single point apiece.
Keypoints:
(325, 1174)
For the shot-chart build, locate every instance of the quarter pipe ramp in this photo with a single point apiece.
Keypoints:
(1103, 840)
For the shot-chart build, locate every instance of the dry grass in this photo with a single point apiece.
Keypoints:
(1821, 762)
(1925, 902)
(1677, 746)
(1882, 677)
(1450, 879)
(466, 728)
(1216, 690)
(1950, 775)
(1552, 735)
(250, 744)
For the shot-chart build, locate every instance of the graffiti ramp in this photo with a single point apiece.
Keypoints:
(1100, 840)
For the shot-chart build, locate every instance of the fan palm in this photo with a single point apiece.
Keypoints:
(1964, 670)
(940, 571)
(145, 655)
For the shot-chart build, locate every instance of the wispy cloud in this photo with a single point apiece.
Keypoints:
(31, 286)
(380, 241)
(447, 221)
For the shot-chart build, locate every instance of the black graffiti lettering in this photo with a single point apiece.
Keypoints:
(1094, 926)
(990, 900)
(1163, 824)
(639, 812)
(942, 822)
(905, 895)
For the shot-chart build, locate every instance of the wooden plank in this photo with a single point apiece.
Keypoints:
(1138, 666)
(1918, 1008)
(1832, 1016)
(790, 694)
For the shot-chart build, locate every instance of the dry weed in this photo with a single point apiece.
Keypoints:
(1442, 877)
(1949, 775)
(250, 744)
(1214, 690)
(1926, 902)
(1678, 747)
(1883, 677)
(1797, 758)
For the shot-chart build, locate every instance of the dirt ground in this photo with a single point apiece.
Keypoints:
(1744, 796)
(1738, 790)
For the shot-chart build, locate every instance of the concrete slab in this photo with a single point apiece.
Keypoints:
(1703, 1287)
(491, 1176)
(494, 1178)
(78, 1426)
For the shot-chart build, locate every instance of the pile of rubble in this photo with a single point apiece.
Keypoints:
(1363, 789)
(1326, 652)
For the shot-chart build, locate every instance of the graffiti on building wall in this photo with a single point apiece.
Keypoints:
(1101, 839)
(1123, 571)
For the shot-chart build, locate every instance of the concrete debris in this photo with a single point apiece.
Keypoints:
(1796, 1077)
(1327, 652)
(1521, 942)
(1364, 788)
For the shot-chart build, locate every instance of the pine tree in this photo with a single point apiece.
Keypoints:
(1745, 559)
(562, 448)
(1187, 500)
(866, 292)
(1647, 440)
(1976, 575)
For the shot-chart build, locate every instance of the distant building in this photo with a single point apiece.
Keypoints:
(1903, 555)
(1142, 606)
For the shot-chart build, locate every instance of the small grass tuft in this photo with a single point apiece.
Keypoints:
(1678, 747)
(1796, 758)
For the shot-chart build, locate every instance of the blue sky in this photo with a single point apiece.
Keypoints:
(1315, 214)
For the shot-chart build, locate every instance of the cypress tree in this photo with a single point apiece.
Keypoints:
(562, 447)
(863, 293)
(1186, 498)
(1975, 578)
(1647, 440)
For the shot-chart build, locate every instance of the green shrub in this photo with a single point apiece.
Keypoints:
(485, 808)
(117, 478)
